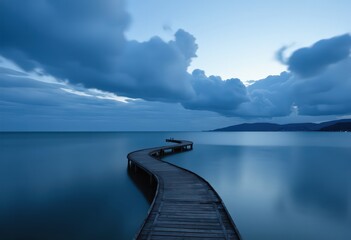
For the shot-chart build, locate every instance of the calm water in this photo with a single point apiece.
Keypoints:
(76, 186)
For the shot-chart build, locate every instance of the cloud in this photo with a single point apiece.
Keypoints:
(214, 94)
(88, 47)
(319, 85)
(83, 43)
(167, 28)
(59, 34)
(27, 104)
(312, 60)
(279, 55)
(185, 42)
(269, 97)
(327, 93)
(154, 70)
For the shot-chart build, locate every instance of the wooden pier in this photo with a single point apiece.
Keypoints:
(185, 206)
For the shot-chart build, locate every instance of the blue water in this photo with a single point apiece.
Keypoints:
(76, 186)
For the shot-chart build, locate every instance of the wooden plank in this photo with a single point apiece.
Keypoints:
(185, 205)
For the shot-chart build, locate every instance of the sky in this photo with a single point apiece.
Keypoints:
(157, 65)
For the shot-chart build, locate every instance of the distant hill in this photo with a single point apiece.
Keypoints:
(338, 127)
(333, 126)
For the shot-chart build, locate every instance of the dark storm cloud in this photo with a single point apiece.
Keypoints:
(214, 94)
(279, 55)
(312, 60)
(62, 36)
(27, 104)
(269, 97)
(327, 93)
(154, 70)
(319, 83)
(83, 42)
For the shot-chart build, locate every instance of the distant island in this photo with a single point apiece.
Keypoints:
(343, 125)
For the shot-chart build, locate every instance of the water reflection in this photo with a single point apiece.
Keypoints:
(68, 186)
(290, 189)
(76, 186)
(322, 184)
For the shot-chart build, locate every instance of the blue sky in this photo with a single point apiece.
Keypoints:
(239, 38)
(172, 65)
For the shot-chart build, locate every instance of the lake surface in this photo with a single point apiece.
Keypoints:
(76, 185)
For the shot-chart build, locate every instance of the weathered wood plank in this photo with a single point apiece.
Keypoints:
(185, 206)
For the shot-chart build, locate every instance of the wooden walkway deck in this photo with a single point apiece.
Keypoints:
(185, 206)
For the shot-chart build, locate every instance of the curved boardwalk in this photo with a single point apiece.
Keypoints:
(185, 206)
